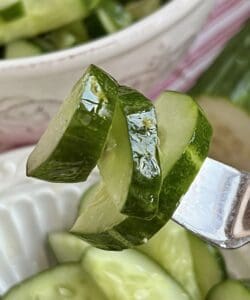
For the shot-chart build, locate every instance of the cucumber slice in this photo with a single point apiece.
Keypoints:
(66, 281)
(224, 92)
(102, 225)
(184, 140)
(230, 290)
(67, 247)
(170, 248)
(130, 275)
(185, 135)
(11, 10)
(132, 149)
(196, 265)
(75, 138)
(209, 265)
(142, 8)
(44, 16)
(113, 16)
(21, 48)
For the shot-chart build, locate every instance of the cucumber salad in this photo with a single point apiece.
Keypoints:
(31, 27)
(123, 245)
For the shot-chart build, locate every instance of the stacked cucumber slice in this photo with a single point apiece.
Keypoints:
(224, 93)
(147, 156)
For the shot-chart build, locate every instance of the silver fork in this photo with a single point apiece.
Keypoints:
(217, 205)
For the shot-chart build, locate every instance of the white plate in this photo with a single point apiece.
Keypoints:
(30, 208)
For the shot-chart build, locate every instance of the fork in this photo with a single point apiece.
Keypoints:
(217, 205)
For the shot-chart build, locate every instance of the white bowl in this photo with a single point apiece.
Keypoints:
(32, 88)
(29, 209)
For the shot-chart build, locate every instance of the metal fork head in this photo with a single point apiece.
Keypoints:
(217, 205)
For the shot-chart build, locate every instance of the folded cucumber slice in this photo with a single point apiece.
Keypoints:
(196, 265)
(209, 265)
(113, 16)
(75, 138)
(44, 16)
(11, 10)
(67, 247)
(230, 290)
(224, 93)
(67, 281)
(130, 275)
(21, 48)
(132, 150)
(184, 140)
(101, 224)
(185, 135)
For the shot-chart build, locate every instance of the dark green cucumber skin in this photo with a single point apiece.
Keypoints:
(12, 12)
(229, 76)
(184, 171)
(128, 234)
(133, 231)
(143, 195)
(67, 163)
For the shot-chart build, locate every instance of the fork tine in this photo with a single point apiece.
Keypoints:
(217, 206)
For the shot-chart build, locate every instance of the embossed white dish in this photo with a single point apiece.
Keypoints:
(32, 88)
(30, 208)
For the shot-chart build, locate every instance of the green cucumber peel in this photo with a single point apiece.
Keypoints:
(70, 148)
(133, 150)
(179, 116)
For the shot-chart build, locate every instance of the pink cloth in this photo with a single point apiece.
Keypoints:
(225, 20)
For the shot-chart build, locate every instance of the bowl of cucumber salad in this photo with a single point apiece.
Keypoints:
(51, 42)
(86, 212)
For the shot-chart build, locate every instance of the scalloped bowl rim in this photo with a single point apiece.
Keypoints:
(102, 48)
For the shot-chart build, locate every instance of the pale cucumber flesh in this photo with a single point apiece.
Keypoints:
(209, 265)
(230, 290)
(170, 248)
(132, 154)
(129, 275)
(68, 281)
(183, 147)
(67, 247)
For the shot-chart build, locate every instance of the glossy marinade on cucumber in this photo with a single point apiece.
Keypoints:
(31, 27)
(224, 93)
(184, 135)
(75, 138)
(147, 155)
